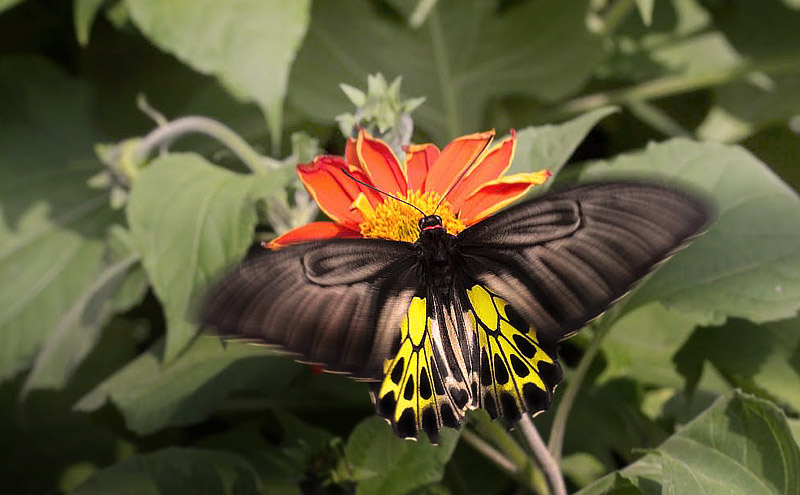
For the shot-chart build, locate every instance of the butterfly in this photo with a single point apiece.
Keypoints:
(454, 322)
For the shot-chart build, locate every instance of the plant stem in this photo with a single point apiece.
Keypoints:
(556, 441)
(525, 470)
(550, 466)
(489, 452)
(446, 85)
(668, 86)
(166, 134)
(616, 14)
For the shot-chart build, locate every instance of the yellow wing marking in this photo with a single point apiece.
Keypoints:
(407, 392)
(511, 376)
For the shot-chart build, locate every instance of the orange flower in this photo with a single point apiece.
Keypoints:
(426, 176)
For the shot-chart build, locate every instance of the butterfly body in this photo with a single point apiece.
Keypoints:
(453, 322)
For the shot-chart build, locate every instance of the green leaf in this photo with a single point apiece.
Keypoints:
(52, 226)
(248, 45)
(740, 445)
(742, 108)
(191, 220)
(550, 146)
(7, 4)
(748, 263)
(386, 465)
(84, 14)
(464, 54)
(645, 8)
(176, 470)
(642, 343)
(151, 396)
(77, 332)
(777, 146)
(757, 358)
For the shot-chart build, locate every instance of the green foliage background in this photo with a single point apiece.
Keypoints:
(690, 385)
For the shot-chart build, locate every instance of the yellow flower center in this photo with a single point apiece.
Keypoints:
(400, 222)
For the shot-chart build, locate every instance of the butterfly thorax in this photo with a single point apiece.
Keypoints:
(435, 247)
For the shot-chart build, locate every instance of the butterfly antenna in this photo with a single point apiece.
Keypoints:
(345, 172)
(461, 176)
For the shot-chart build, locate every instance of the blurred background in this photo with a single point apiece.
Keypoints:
(105, 386)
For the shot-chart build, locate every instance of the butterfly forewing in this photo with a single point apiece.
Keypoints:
(337, 303)
(562, 259)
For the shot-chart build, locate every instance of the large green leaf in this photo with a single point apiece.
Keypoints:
(191, 220)
(176, 470)
(740, 445)
(756, 358)
(641, 345)
(249, 45)
(550, 146)
(748, 263)
(52, 226)
(465, 54)
(119, 285)
(152, 396)
(385, 465)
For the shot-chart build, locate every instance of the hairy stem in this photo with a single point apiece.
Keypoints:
(548, 463)
(556, 441)
(166, 134)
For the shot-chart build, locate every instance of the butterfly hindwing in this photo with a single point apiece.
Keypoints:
(421, 390)
(516, 373)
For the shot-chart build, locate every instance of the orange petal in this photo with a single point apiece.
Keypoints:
(456, 157)
(498, 193)
(419, 159)
(333, 191)
(491, 166)
(381, 165)
(313, 231)
(350, 155)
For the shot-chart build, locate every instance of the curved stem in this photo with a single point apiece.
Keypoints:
(525, 470)
(166, 134)
(556, 441)
(548, 463)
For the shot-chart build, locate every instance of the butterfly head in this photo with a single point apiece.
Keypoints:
(430, 222)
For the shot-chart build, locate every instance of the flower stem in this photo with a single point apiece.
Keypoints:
(556, 441)
(668, 86)
(524, 469)
(548, 463)
(166, 134)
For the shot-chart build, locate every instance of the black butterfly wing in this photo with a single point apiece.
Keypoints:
(335, 303)
(542, 269)
(357, 307)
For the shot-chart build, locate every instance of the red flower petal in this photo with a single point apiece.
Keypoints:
(419, 159)
(333, 191)
(455, 157)
(350, 155)
(498, 193)
(491, 166)
(379, 162)
(312, 232)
